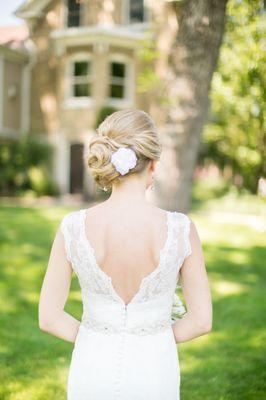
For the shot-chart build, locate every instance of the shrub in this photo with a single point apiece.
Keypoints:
(25, 165)
(103, 113)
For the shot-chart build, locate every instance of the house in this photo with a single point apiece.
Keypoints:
(14, 81)
(82, 57)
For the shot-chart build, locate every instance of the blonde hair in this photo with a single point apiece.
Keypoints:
(126, 128)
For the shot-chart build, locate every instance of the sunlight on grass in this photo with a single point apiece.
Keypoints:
(258, 340)
(237, 258)
(225, 288)
(190, 363)
(75, 295)
(257, 223)
(31, 297)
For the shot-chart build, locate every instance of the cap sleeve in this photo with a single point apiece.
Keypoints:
(187, 244)
(65, 228)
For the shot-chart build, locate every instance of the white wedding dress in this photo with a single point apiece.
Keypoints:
(125, 351)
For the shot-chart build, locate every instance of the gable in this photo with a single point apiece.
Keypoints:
(31, 8)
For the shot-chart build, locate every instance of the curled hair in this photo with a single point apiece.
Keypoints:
(131, 128)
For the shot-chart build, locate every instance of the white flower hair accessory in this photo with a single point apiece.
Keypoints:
(124, 159)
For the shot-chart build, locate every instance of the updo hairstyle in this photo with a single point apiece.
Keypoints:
(131, 128)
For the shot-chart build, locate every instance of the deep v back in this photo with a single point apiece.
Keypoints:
(157, 267)
(149, 310)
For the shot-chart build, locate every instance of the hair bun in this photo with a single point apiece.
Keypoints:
(126, 128)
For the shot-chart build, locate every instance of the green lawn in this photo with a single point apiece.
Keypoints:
(227, 364)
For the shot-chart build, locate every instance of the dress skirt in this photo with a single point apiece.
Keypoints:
(123, 366)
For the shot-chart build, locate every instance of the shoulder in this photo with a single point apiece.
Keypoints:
(179, 219)
(183, 219)
(70, 220)
(187, 225)
(188, 230)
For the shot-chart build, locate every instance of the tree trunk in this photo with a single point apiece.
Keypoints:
(187, 66)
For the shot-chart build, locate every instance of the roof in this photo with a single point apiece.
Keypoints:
(14, 37)
(31, 8)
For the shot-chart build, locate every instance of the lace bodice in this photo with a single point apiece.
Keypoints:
(151, 308)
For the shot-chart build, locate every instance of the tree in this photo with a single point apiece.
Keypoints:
(188, 37)
(235, 139)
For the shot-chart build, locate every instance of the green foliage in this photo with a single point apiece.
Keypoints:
(103, 113)
(149, 83)
(235, 137)
(147, 79)
(25, 166)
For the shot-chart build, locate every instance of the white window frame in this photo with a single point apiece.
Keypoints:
(72, 101)
(64, 7)
(129, 86)
(126, 14)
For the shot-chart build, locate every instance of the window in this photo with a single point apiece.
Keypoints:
(121, 80)
(136, 11)
(117, 80)
(73, 13)
(80, 79)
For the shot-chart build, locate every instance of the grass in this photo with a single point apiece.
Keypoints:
(227, 364)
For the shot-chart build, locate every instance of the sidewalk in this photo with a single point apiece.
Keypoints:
(64, 200)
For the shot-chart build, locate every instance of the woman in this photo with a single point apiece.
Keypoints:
(128, 255)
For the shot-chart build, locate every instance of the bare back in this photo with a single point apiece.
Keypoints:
(126, 243)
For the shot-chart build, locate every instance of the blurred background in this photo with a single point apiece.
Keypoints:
(198, 68)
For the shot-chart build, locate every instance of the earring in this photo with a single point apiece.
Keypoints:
(105, 189)
(152, 185)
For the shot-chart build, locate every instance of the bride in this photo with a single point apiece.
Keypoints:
(128, 256)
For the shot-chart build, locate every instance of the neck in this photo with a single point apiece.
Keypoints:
(131, 190)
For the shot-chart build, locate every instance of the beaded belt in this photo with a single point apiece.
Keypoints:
(141, 330)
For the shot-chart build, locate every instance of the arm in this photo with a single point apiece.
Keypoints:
(54, 292)
(196, 291)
